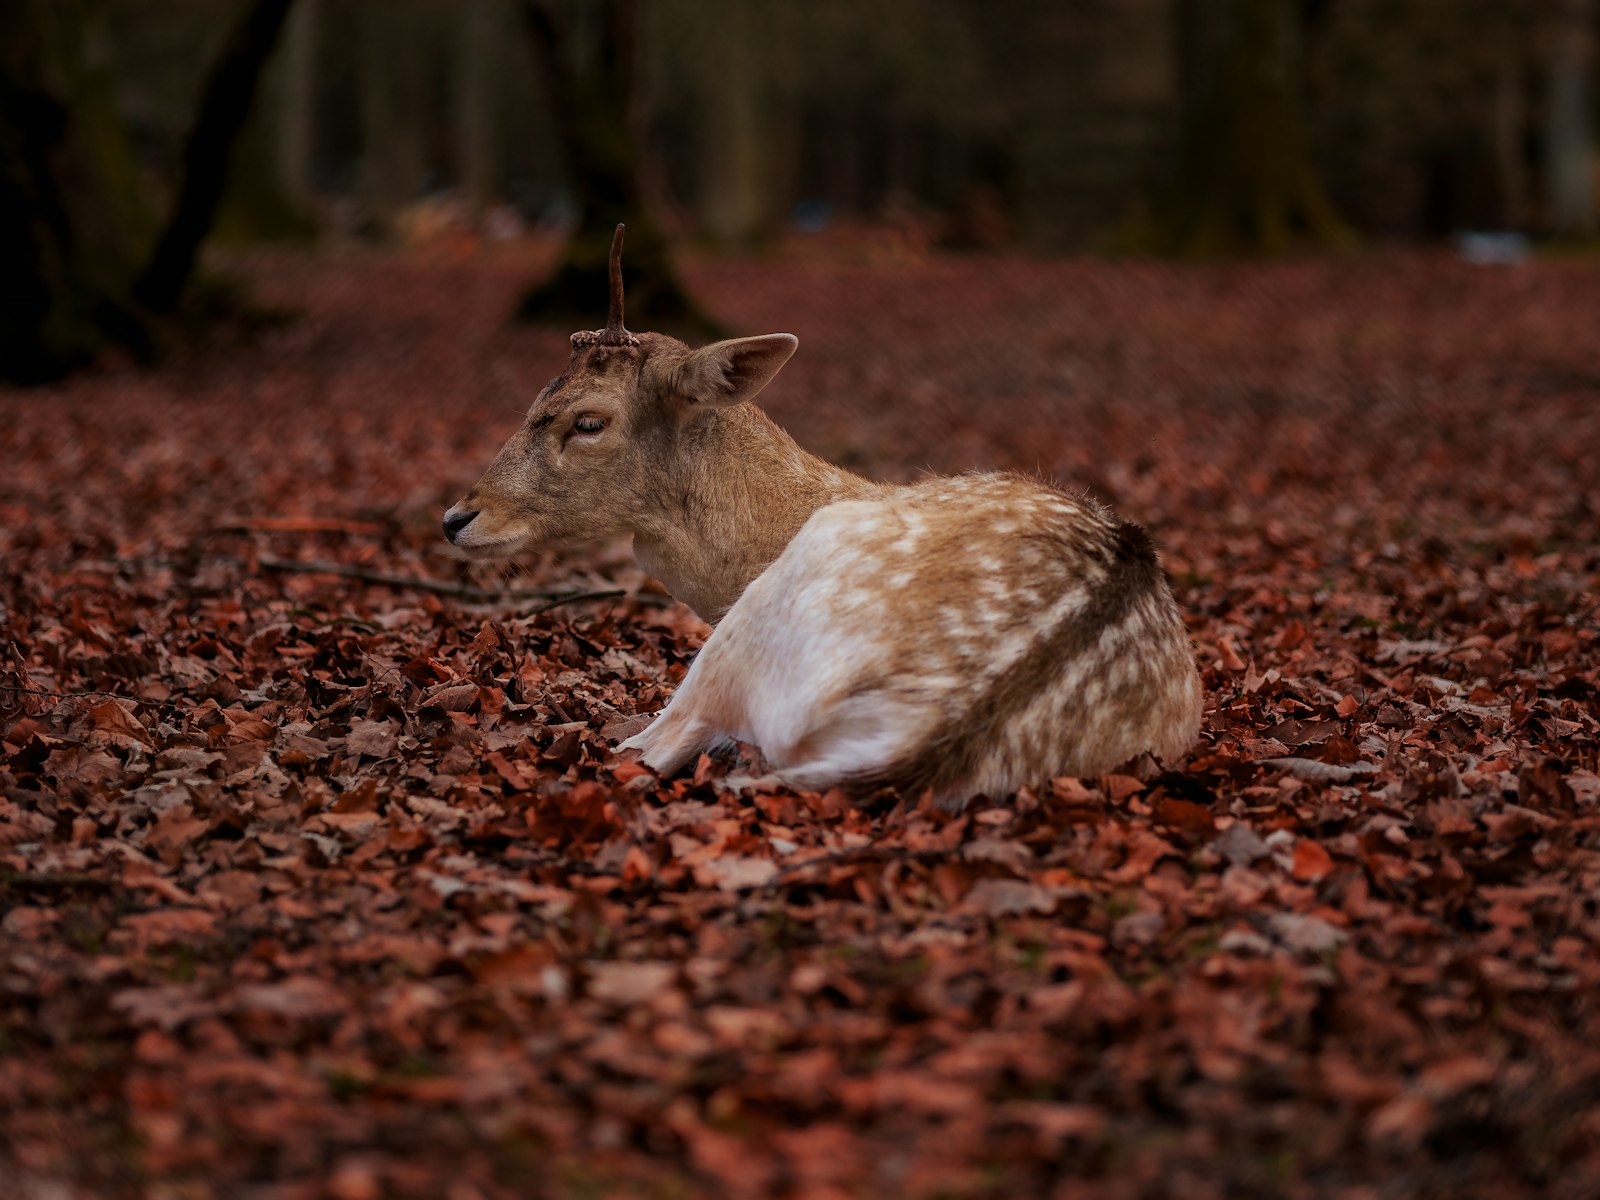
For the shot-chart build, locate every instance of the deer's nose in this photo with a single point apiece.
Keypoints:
(456, 520)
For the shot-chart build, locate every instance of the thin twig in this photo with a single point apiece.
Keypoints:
(25, 691)
(171, 705)
(577, 597)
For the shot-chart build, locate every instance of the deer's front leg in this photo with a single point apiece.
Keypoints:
(672, 739)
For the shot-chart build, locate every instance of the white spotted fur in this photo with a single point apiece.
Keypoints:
(832, 695)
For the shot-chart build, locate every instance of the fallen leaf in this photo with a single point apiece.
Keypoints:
(630, 983)
(1309, 934)
(1311, 861)
(1008, 897)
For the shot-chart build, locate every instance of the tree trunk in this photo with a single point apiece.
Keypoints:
(391, 158)
(590, 91)
(1508, 122)
(1569, 125)
(73, 218)
(269, 196)
(479, 165)
(296, 142)
(1244, 180)
(224, 105)
(734, 201)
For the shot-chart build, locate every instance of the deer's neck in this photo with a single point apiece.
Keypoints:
(741, 488)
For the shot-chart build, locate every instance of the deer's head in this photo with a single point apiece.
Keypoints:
(603, 440)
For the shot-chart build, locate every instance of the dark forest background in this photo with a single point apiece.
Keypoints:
(133, 134)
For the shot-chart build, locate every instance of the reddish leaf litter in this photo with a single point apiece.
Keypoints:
(315, 885)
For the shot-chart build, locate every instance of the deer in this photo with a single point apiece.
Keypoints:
(961, 635)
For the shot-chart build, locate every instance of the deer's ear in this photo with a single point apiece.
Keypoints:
(732, 372)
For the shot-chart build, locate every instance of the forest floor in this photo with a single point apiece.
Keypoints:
(312, 885)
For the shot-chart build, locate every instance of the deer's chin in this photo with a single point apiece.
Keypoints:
(496, 546)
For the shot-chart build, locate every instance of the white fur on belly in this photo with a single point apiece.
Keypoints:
(790, 668)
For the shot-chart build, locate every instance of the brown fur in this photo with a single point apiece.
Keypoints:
(710, 489)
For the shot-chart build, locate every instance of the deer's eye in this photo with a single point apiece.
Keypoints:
(588, 424)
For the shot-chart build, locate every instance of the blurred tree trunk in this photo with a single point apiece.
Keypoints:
(296, 142)
(735, 206)
(589, 84)
(1244, 179)
(843, 167)
(269, 190)
(74, 225)
(1569, 124)
(1509, 119)
(476, 135)
(391, 158)
(73, 217)
(225, 104)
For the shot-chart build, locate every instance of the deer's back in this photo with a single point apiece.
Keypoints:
(968, 634)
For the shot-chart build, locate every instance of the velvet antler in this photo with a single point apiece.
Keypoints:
(615, 333)
(614, 319)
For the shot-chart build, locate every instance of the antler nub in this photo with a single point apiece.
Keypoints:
(615, 333)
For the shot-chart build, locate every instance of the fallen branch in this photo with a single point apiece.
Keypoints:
(440, 587)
